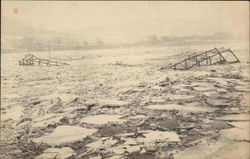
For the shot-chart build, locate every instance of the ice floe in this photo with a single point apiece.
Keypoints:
(65, 135)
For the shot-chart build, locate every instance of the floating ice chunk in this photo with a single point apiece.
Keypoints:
(237, 117)
(99, 144)
(132, 149)
(119, 150)
(180, 108)
(56, 153)
(179, 97)
(111, 103)
(95, 145)
(46, 120)
(159, 136)
(244, 88)
(14, 113)
(137, 117)
(10, 96)
(215, 150)
(65, 135)
(239, 133)
(102, 119)
(116, 157)
(200, 88)
(130, 141)
(64, 97)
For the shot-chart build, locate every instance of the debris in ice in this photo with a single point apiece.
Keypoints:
(206, 58)
(30, 60)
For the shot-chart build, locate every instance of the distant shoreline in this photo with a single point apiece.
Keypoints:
(176, 44)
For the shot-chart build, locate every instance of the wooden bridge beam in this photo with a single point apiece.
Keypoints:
(234, 55)
(186, 64)
(222, 58)
(208, 58)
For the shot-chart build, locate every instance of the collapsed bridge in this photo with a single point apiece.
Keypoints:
(30, 59)
(210, 57)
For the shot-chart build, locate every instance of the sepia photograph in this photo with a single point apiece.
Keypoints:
(125, 80)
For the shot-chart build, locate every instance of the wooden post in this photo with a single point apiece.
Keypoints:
(234, 55)
(196, 61)
(206, 59)
(32, 60)
(221, 57)
(185, 64)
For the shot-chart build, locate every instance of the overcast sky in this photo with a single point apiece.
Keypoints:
(128, 20)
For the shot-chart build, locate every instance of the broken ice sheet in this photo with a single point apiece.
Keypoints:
(111, 103)
(122, 149)
(159, 136)
(132, 149)
(46, 120)
(243, 88)
(10, 96)
(179, 97)
(102, 143)
(215, 150)
(102, 119)
(236, 117)
(202, 86)
(239, 133)
(218, 102)
(137, 117)
(220, 81)
(130, 141)
(65, 135)
(118, 150)
(180, 108)
(64, 97)
(56, 153)
(14, 113)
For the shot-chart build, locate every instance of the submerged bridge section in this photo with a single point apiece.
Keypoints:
(210, 57)
(30, 59)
